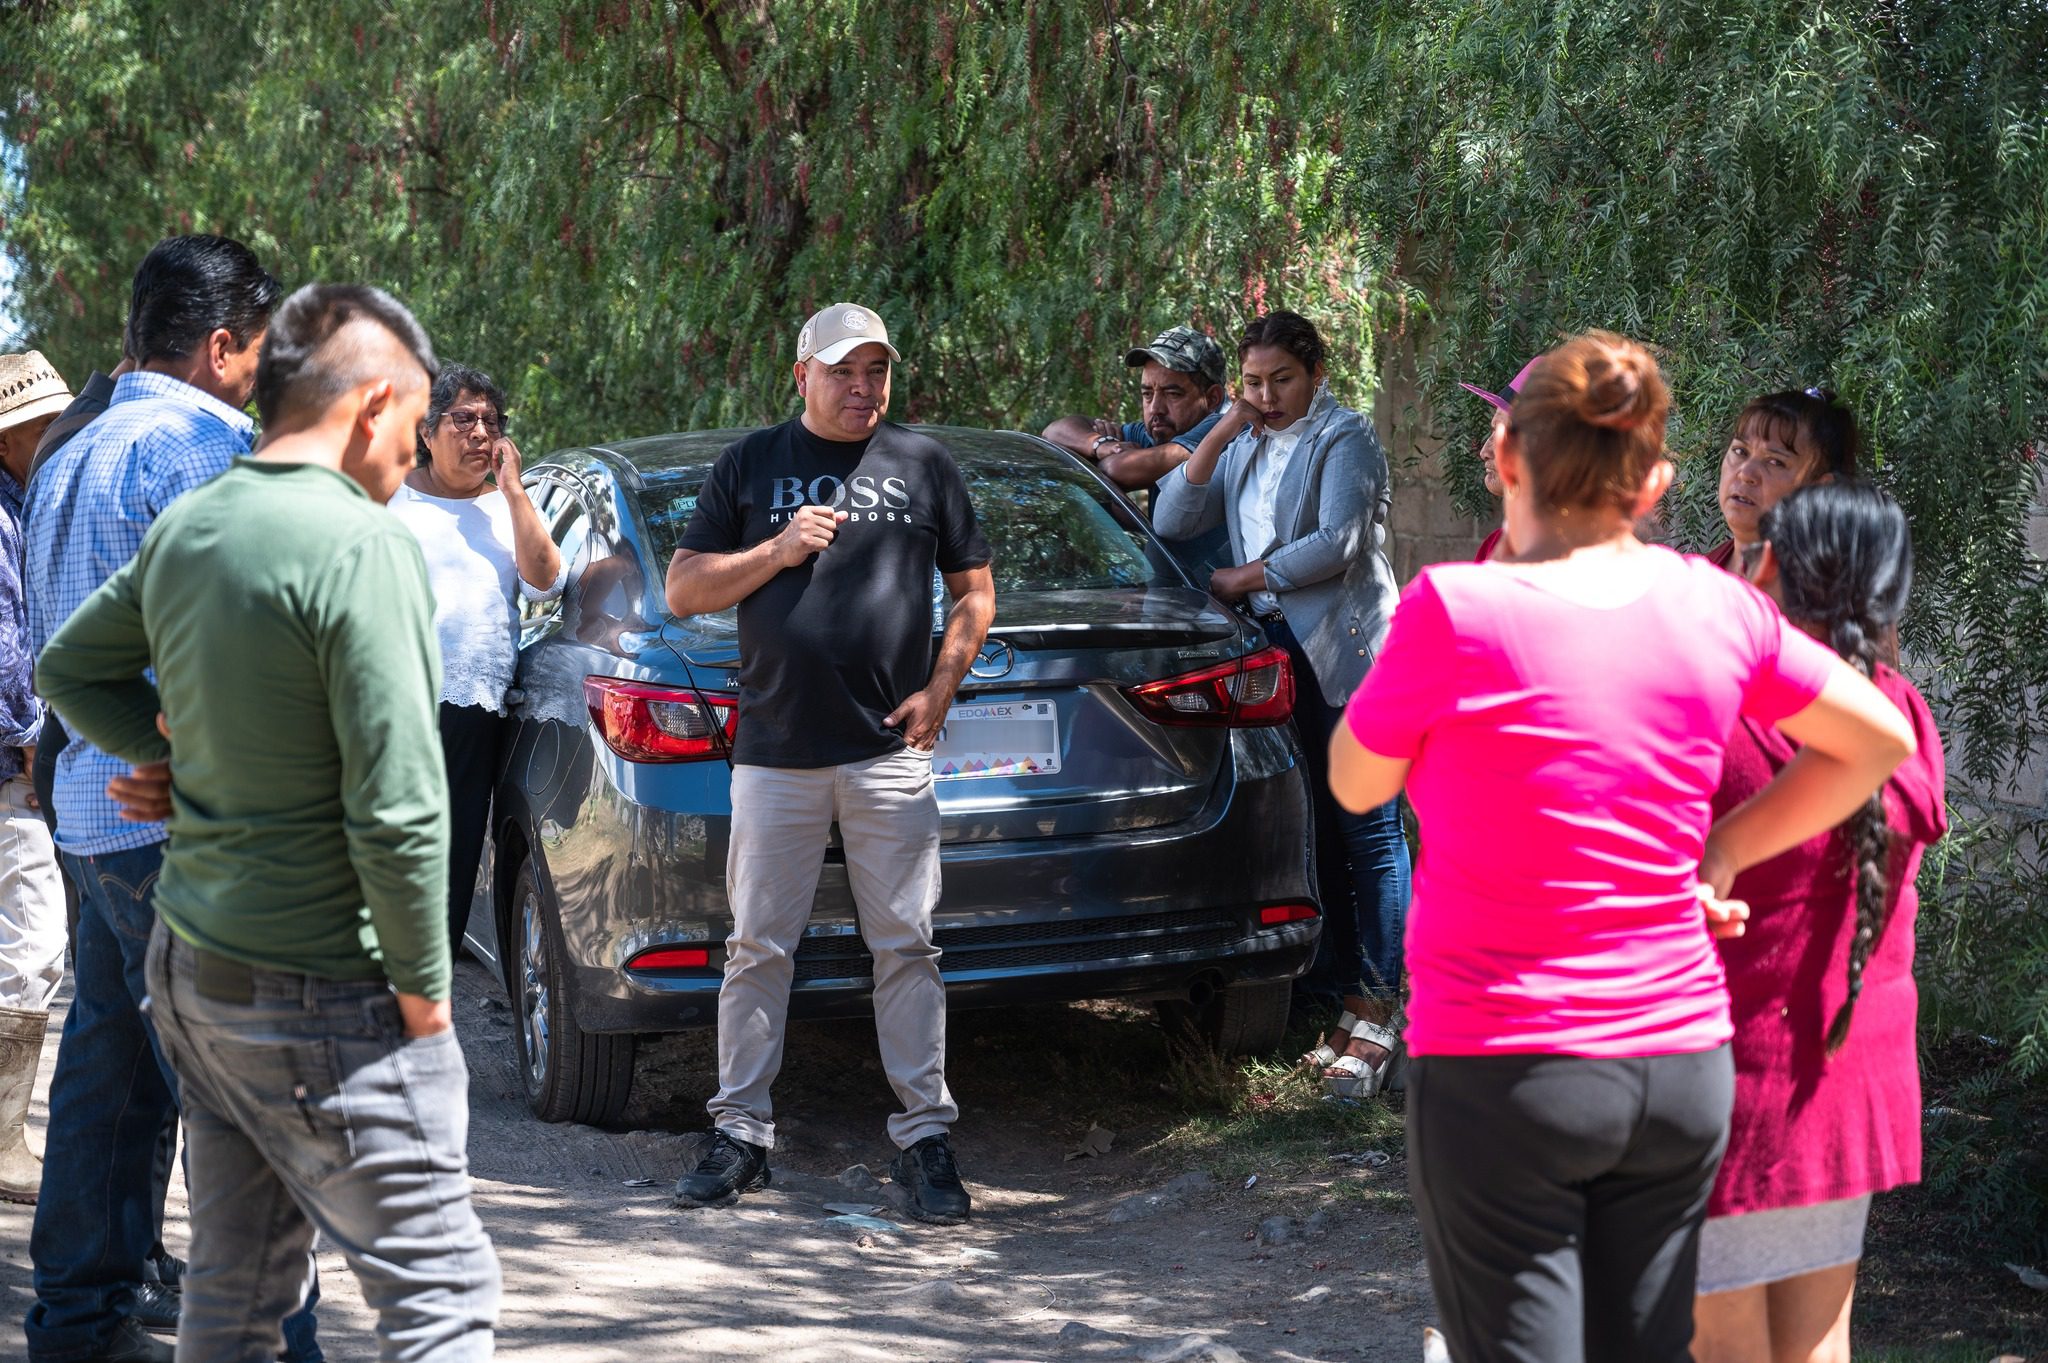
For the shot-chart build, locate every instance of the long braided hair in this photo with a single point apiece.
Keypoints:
(1845, 568)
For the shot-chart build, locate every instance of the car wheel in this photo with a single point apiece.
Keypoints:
(570, 1075)
(1249, 1018)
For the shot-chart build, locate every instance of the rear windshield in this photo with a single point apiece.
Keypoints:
(1051, 527)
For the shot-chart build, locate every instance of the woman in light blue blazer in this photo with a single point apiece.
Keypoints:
(1301, 484)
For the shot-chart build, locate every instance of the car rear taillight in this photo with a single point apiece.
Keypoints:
(1273, 915)
(1243, 693)
(645, 723)
(671, 958)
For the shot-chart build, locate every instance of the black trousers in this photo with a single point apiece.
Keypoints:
(1561, 1199)
(470, 738)
(43, 777)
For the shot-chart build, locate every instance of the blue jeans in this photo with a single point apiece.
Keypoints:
(1362, 865)
(111, 1100)
(308, 1109)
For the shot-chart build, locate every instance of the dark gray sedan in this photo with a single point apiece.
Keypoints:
(1125, 812)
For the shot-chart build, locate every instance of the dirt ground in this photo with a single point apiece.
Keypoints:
(1136, 1253)
(1163, 1247)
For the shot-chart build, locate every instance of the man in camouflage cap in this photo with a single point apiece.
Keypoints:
(1182, 395)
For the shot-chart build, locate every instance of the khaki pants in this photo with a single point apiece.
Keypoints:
(888, 818)
(32, 916)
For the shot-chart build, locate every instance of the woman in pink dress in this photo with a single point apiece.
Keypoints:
(1558, 717)
(1782, 442)
(1827, 1078)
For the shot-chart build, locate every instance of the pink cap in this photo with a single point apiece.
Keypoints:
(1514, 386)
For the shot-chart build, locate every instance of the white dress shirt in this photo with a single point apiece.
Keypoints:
(1255, 504)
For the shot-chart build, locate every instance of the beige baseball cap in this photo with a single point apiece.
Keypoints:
(832, 333)
(30, 387)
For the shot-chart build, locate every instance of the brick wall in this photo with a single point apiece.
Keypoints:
(1424, 525)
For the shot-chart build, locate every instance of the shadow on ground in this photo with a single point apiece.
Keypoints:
(1220, 1223)
(1137, 1253)
(1152, 1250)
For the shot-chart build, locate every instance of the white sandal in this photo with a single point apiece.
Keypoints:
(1322, 1057)
(1347, 1076)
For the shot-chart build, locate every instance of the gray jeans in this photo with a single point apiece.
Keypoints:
(307, 1109)
(888, 818)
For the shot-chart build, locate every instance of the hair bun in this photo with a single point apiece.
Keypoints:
(1590, 419)
(1616, 395)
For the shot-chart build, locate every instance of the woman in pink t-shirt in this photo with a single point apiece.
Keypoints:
(1827, 1076)
(1558, 718)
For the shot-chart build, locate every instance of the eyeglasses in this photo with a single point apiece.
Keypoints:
(464, 422)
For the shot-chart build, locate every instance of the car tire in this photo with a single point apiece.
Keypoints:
(569, 1075)
(1248, 1018)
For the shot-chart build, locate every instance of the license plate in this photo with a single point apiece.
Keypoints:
(998, 738)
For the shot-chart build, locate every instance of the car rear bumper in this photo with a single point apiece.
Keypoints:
(1158, 913)
(1181, 954)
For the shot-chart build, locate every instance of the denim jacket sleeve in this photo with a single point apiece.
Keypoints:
(21, 714)
(1350, 488)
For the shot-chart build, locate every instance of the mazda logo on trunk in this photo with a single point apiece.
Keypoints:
(995, 659)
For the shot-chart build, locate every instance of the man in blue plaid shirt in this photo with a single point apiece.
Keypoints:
(197, 316)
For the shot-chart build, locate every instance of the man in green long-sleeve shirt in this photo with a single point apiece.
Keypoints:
(299, 976)
(288, 620)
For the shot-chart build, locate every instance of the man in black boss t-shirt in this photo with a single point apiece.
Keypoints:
(825, 531)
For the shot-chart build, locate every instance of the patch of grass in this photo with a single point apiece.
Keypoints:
(1925, 1286)
(1283, 1137)
(1176, 1098)
(1267, 1115)
(1983, 972)
(1379, 1196)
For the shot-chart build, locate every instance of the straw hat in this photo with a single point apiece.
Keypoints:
(30, 388)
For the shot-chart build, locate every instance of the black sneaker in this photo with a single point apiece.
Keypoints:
(154, 1306)
(164, 1267)
(130, 1343)
(729, 1167)
(926, 1172)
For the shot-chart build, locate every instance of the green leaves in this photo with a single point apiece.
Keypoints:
(1776, 196)
(625, 208)
(652, 197)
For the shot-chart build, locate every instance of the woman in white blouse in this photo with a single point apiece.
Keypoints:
(1302, 485)
(485, 546)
